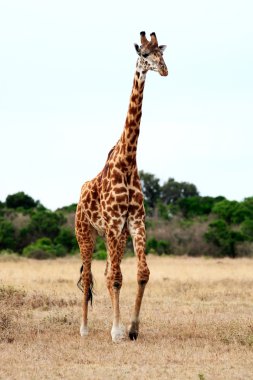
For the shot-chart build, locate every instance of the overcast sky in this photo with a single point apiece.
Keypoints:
(66, 72)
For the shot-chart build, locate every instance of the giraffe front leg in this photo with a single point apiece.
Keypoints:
(133, 331)
(118, 331)
(114, 283)
(139, 239)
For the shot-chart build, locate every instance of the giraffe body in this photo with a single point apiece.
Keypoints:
(111, 204)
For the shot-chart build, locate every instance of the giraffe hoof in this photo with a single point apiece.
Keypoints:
(84, 330)
(118, 333)
(134, 330)
(133, 335)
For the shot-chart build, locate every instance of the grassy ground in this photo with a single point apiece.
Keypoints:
(197, 321)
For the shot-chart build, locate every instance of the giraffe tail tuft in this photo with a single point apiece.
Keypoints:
(80, 286)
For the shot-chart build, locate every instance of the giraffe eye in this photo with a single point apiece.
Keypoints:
(145, 55)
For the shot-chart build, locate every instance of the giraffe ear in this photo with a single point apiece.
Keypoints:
(137, 48)
(162, 48)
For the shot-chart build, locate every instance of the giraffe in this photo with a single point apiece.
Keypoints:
(111, 204)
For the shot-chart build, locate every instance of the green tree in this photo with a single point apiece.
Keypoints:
(25, 237)
(243, 211)
(158, 246)
(225, 210)
(44, 223)
(164, 211)
(100, 249)
(194, 206)
(223, 237)
(20, 200)
(7, 235)
(151, 189)
(66, 238)
(234, 212)
(44, 248)
(247, 229)
(67, 209)
(172, 191)
(2, 209)
(47, 223)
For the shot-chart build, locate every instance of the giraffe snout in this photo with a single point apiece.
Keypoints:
(163, 71)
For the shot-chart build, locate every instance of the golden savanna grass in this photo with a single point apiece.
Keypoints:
(197, 321)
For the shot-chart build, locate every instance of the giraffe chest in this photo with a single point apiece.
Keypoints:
(111, 199)
(110, 212)
(119, 189)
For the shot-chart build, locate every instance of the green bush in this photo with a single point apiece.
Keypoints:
(243, 211)
(163, 211)
(7, 235)
(163, 247)
(25, 237)
(46, 223)
(100, 244)
(44, 248)
(158, 246)
(223, 237)
(225, 210)
(43, 223)
(247, 229)
(100, 255)
(100, 249)
(67, 209)
(151, 245)
(234, 212)
(67, 238)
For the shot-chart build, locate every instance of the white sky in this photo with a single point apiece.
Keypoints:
(66, 72)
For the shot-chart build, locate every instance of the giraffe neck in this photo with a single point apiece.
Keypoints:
(129, 138)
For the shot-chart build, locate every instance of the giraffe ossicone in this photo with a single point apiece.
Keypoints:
(111, 204)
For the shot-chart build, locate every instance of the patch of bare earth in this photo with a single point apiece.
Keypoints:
(197, 321)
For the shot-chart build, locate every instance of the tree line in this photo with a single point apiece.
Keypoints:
(179, 221)
(27, 227)
(230, 223)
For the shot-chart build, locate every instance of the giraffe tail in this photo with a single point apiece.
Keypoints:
(80, 286)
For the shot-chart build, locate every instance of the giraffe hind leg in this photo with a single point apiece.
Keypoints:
(86, 237)
(91, 288)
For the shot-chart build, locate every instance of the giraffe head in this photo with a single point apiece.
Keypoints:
(151, 55)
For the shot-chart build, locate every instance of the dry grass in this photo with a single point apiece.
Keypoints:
(197, 321)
